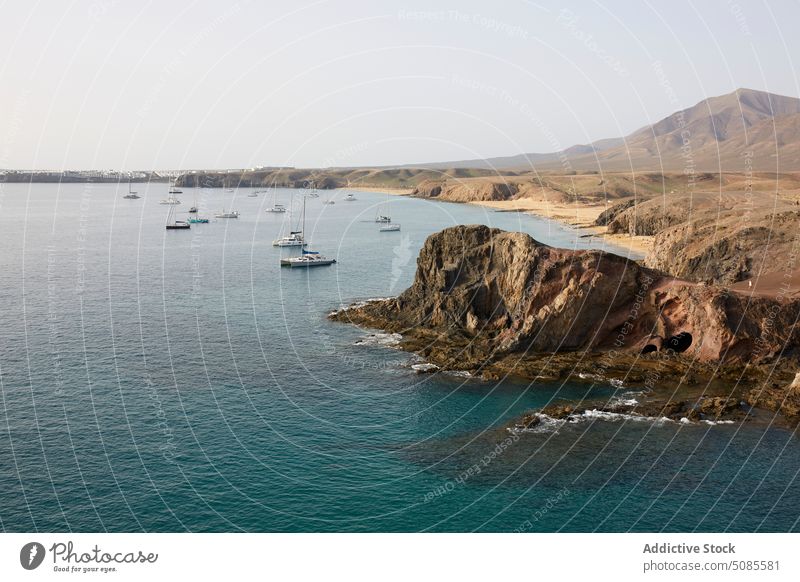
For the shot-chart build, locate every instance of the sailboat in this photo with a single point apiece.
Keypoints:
(386, 219)
(173, 189)
(171, 199)
(131, 195)
(295, 237)
(229, 214)
(173, 224)
(349, 198)
(196, 219)
(275, 206)
(307, 259)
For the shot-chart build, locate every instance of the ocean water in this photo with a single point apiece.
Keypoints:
(182, 381)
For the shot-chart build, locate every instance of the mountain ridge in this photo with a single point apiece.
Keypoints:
(746, 129)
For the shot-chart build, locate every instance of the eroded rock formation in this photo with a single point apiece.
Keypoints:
(508, 293)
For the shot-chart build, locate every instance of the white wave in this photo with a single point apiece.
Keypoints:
(626, 399)
(424, 368)
(458, 373)
(379, 339)
(358, 304)
(546, 424)
(595, 414)
(616, 382)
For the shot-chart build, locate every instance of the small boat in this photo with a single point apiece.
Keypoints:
(131, 195)
(228, 189)
(275, 206)
(330, 202)
(313, 194)
(349, 198)
(198, 220)
(193, 210)
(253, 195)
(173, 224)
(173, 189)
(170, 200)
(386, 219)
(295, 237)
(307, 259)
(230, 214)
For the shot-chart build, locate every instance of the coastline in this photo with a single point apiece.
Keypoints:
(579, 216)
(379, 190)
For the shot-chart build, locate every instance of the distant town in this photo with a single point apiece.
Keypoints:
(68, 176)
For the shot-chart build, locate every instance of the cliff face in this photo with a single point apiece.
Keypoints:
(467, 191)
(496, 293)
(710, 236)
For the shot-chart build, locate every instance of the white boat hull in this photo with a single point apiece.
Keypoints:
(306, 262)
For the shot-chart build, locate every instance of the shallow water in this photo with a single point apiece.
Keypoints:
(172, 381)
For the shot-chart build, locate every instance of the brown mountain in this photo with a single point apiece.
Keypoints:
(740, 131)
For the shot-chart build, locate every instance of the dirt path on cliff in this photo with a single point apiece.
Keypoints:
(785, 284)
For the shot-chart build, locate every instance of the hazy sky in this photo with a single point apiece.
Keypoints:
(213, 84)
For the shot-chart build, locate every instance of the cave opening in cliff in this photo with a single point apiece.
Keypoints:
(680, 342)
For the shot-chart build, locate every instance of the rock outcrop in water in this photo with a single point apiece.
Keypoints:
(510, 293)
(498, 302)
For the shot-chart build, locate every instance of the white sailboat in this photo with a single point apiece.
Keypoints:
(131, 195)
(295, 237)
(277, 208)
(386, 219)
(307, 258)
(173, 224)
(349, 198)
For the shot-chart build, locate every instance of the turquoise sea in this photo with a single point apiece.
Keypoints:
(159, 380)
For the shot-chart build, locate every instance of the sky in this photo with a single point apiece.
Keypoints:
(113, 84)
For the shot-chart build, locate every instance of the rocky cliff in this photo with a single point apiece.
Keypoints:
(499, 302)
(711, 236)
(511, 293)
(467, 190)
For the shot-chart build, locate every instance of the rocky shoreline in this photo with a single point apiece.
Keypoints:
(499, 304)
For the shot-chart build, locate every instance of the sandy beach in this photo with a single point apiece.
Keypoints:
(579, 216)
